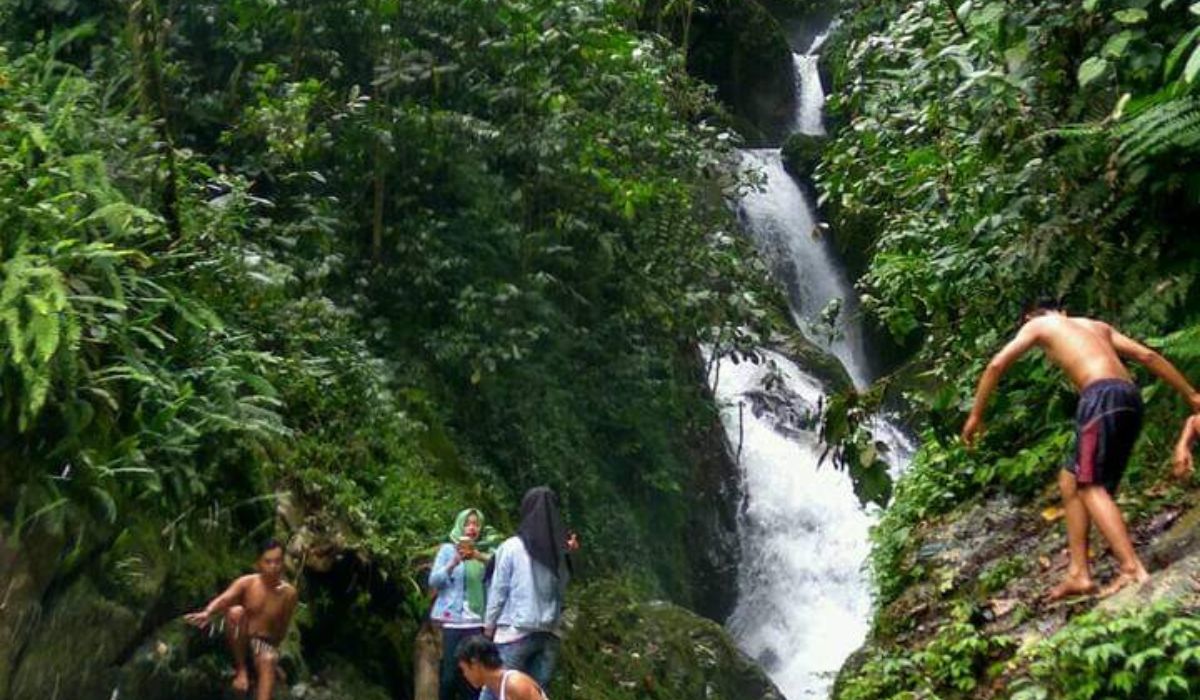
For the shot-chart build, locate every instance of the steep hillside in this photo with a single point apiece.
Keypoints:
(987, 154)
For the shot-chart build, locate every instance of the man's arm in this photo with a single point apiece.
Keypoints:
(1183, 448)
(230, 597)
(1156, 363)
(1025, 339)
(498, 592)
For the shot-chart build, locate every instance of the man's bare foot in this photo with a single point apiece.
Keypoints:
(1072, 586)
(1122, 580)
(241, 681)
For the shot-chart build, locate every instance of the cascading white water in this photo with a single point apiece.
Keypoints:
(810, 96)
(804, 602)
(803, 606)
(780, 221)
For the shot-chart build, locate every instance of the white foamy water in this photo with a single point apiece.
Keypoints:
(805, 603)
(781, 223)
(810, 95)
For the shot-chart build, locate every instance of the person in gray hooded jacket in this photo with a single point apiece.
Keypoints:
(525, 600)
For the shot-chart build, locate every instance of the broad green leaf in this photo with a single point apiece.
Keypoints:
(1116, 46)
(1091, 69)
(1176, 54)
(1090, 5)
(990, 13)
(1131, 15)
(38, 136)
(1193, 66)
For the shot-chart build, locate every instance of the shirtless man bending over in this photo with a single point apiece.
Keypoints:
(258, 608)
(1107, 424)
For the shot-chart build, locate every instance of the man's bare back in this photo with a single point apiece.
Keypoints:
(1086, 350)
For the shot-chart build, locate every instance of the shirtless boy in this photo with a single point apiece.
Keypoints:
(479, 660)
(258, 608)
(1107, 424)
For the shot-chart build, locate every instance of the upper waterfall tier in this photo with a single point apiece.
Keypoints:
(823, 302)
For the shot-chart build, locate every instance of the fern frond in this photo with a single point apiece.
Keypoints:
(1162, 128)
(1182, 345)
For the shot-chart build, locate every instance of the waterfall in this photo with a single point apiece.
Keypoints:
(804, 602)
(780, 221)
(810, 96)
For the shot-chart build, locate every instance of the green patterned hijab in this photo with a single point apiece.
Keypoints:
(473, 568)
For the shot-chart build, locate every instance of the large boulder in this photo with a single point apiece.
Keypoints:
(620, 647)
(801, 153)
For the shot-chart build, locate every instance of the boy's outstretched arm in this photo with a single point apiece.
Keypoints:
(1182, 458)
(1159, 365)
(220, 604)
(1019, 345)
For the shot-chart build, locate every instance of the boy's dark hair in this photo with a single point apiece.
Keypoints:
(479, 649)
(269, 544)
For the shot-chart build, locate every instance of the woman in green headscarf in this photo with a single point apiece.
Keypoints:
(457, 575)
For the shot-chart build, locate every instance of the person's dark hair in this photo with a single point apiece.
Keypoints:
(269, 544)
(1039, 306)
(479, 649)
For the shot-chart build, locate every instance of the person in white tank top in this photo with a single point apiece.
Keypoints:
(479, 661)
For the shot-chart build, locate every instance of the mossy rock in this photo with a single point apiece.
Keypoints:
(621, 647)
(176, 662)
(340, 680)
(26, 571)
(817, 362)
(73, 652)
(801, 153)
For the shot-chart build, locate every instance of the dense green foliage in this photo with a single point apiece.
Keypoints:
(1150, 653)
(992, 167)
(386, 257)
(1146, 653)
(949, 665)
(986, 154)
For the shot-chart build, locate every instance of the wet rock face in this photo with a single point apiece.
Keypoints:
(75, 646)
(25, 574)
(789, 413)
(712, 526)
(802, 153)
(739, 47)
(621, 648)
